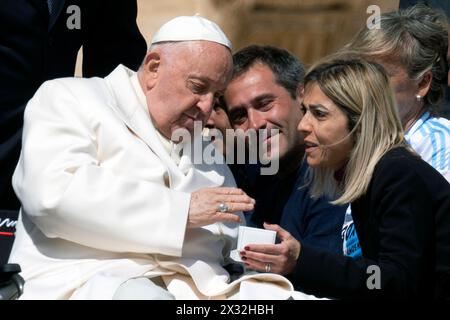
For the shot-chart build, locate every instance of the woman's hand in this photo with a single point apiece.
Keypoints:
(276, 258)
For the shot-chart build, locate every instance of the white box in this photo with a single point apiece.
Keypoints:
(249, 235)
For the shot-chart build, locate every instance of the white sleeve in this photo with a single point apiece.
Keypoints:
(67, 194)
(434, 148)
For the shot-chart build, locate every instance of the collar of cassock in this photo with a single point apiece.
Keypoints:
(168, 145)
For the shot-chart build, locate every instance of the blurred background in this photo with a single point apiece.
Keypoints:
(309, 28)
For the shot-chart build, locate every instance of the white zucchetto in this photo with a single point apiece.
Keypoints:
(191, 28)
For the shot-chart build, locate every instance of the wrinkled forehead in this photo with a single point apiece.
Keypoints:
(203, 58)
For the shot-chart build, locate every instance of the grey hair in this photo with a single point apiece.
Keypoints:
(416, 39)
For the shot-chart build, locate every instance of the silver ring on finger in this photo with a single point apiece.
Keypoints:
(223, 207)
(268, 266)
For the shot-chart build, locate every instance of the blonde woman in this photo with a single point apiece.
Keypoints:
(401, 205)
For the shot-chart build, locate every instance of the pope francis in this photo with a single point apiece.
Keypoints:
(110, 209)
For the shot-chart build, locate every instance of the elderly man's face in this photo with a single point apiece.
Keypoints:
(256, 101)
(182, 81)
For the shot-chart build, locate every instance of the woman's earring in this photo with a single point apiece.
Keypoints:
(418, 98)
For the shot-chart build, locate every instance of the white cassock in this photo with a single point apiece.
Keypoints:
(103, 201)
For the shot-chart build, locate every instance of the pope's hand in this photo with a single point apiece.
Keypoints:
(204, 206)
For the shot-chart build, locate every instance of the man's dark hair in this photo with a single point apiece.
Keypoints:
(287, 69)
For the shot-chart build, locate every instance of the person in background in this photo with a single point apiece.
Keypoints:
(411, 44)
(265, 93)
(444, 6)
(357, 153)
(216, 127)
(39, 41)
(448, 61)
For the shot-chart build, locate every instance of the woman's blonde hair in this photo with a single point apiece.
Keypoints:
(361, 90)
(415, 39)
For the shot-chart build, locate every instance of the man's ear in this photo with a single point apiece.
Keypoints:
(151, 68)
(425, 83)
